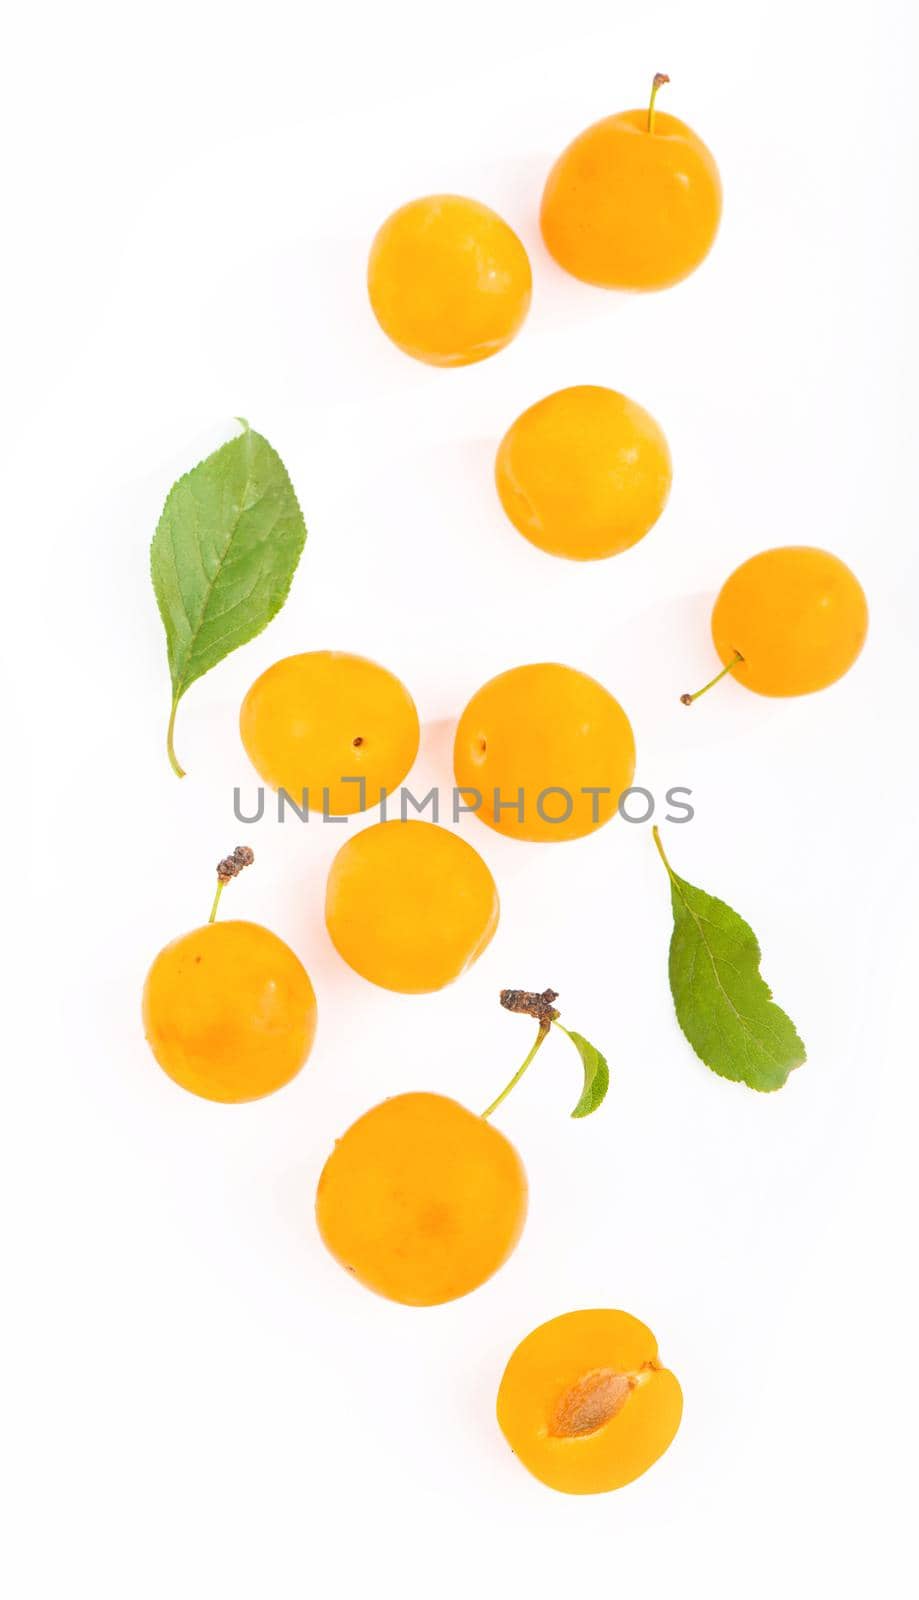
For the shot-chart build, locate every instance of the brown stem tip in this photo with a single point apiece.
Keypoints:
(660, 78)
(231, 866)
(529, 1004)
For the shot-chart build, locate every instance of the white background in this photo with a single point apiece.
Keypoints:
(200, 1402)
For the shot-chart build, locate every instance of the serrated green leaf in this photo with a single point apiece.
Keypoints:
(723, 1004)
(223, 557)
(596, 1073)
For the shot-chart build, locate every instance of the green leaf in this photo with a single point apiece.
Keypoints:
(723, 1004)
(223, 557)
(596, 1073)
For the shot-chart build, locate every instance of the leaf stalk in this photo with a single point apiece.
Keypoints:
(656, 836)
(170, 745)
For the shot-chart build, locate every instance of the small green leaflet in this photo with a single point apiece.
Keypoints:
(223, 557)
(723, 1004)
(596, 1073)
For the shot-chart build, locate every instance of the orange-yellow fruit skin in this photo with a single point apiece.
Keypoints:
(421, 1200)
(551, 1402)
(584, 473)
(410, 906)
(449, 281)
(627, 209)
(313, 721)
(539, 728)
(229, 1012)
(797, 615)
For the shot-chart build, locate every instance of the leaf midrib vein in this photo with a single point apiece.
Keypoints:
(190, 648)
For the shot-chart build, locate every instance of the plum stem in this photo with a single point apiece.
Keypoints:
(530, 1004)
(540, 1037)
(687, 699)
(230, 867)
(660, 78)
